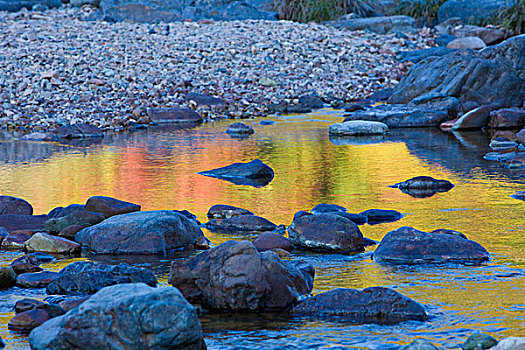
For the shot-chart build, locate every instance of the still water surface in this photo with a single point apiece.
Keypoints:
(158, 169)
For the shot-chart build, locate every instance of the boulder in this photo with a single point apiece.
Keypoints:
(109, 207)
(59, 212)
(495, 75)
(13, 205)
(80, 217)
(14, 241)
(326, 232)
(142, 317)
(479, 341)
(423, 186)
(234, 276)
(143, 232)
(470, 11)
(474, 119)
(490, 36)
(17, 222)
(358, 127)
(36, 279)
(78, 131)
(7, 277)
(356, 218)
(24, 305)
(26, 263)
(420, 344)
(312, 101)
(43, 242)
(70, 231)
(223, 211)
(239, 129)
(379, 25)
(377, 216)
(174, 115)
(269, 241)
(284, 108)
(328, 208)
(449, 232)
(17, 5)
(245, 223)
(204, 100)
(407, 245)
(510, 343)
(83, 277)
(26, 321)
(254, 173)
(469, 42)
(507, 118)
(370, 305)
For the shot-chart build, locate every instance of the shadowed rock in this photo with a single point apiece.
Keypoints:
(26, 263)
(16, 222)
(13, 205)
(173, 115)
(36, 279)
(378, 216)
(7, 277)
(59, 212)
(78, 131)
(423, 186)
(204, 100)
(109, 207)
(269, 241)
(80, 217)
(254, 173)
(245, 223)
(14, 241)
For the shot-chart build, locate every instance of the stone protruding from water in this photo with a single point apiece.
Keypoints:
(142, 317)
(479, 341)
(13, 205)
(270, 240)
(109, 207)
(43, 242)
(423, 186)
(234, 276)
(254, 173)
(378, 216)
(358, 128)
(223, 211)
(241, 223)
(239, 129)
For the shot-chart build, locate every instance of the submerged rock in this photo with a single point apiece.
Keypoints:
(223, 211)
(142, 317)
(378, 216)
(246, 223)
(13, 205)
(109, 207)
(423, 186)
(254, 173)
(407, 245)
(370, 305)
(235, 276)
(357, 128)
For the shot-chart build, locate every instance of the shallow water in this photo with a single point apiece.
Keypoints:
(158, 169)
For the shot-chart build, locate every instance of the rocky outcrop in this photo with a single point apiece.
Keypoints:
(235, 276)
(142, 317)
(13, 205)
(148, 232)
(358, 127)
(254, 173)
(407, 245)
(244, 223)
(109, 207)
(84, 277)
(42, 242)
(370, 305)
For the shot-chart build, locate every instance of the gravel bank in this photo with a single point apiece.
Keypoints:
(56, 68)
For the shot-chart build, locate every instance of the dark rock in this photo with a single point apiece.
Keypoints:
(493, 76)
(26, 321)
(235, 276)
(245, 223)
(267, 122)
(419, 55)
(419, 344)
(379, 25)
(16, 222)
(312, 101)
(70, 231)
(17, 5)
(288, 109)
(148, 232)
(407, 245)
(3, 234)
(109, 207)
(80, 217)
(301, 213)
(14, 241)
(507, 118)
(202, 243)
(174, 115)
(356, 218)
(327, 208)
(254, 173)
(28, 304)
(36, 279)
(519, 195)
(72, 302)
(204, 100)
(13, 205)
(470, 11)
(423, 186)
(78, 131)
(59, 212)
(326, 232)
(223, 211)
(449, 232)
(479, 341)
(377, 216)
(141, 318)
(7, 277)
(2, 344)
(354, 108)
(269, 241)
(26, 263)
(370, 305)
(84, 277)
(42, 242)
(239, 129)
(381, 95)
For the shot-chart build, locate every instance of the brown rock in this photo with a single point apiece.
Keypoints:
(110, 206)
(26, 321)
(70, 231)
(26, 263)
(24, 305)
(13, 205)
(43, 242)
(271, 241)
(71, 303)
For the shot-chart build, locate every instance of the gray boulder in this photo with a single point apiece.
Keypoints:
(358, 127)
(245, 223)
(239, 129)
(469, 42)
(474, 119)
(43, 242)
(490, 36)
(148, 232)
(235, 276)
(126, 316)
(470, 11)
(80, 217)
(78, 131)
(479, 341)
(13, 205)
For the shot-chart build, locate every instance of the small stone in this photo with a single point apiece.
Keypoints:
(470, 42)
(239, 129)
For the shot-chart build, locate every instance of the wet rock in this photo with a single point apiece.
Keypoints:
(72, 302)
(379, 25)
(312, 101)
(325, 232)
(174, 115)
(507, 118)
(28, 304)
(490, 36)
(479, 341)
(43, 242)
(288, 109)
(407, 245)
(26, 321)
(254, 173)
(377, 216)
(470, 42)
(7, 277)
(70, 231)
(356, 218)
(354, 108)
(358, 127)
(59, 212)
(370, 305)
(15, 6)
(36, 279)
(148, 232)
(267, 122)
(517, 162)
(16, 222)
(239, 129)
(84, 277)
(475, 119)
(14, 241)
(502, 144)
(235, 276)
(26, 263)
(419, 55)
(13, 205)
(519, 195)
(3, 234)
(109, 207)
(80, 217)
(449, 232)
(142, 318)
(510, 343)
(327, 208)
(204, 100)
(270, 241)
(469, 11)
(423, 186)
(246, 223)
(43, 257)
(78, 131)
(500, 157)
(420, 344)
(223, 211)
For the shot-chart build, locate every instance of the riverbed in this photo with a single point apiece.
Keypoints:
(157, 169)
